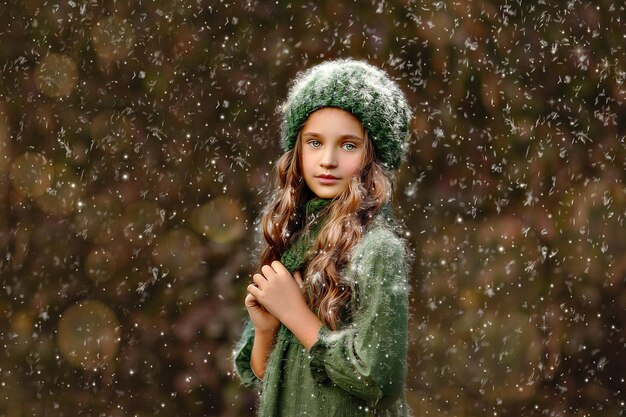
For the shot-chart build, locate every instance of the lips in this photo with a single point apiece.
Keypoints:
(327, 179)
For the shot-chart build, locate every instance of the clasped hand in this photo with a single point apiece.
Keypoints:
(278, 291)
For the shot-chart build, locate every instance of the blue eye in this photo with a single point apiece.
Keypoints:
(314, 143)
(350, 146)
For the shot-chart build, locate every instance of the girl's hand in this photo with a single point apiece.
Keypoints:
(263, 321)
(278, 291)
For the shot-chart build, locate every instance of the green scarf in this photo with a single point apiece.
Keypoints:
(296, 255)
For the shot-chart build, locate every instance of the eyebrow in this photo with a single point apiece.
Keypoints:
(317, 135)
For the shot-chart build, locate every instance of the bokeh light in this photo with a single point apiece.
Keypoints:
(64, 194)
(112, 38)
(142, 221)
(112, 132)
(98, 218)
(56, 75)
(89, 334)
(180, 252)
(221, 220)
(22, 326)
(31, 174)
(100, 265)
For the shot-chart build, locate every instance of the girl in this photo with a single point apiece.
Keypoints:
(327, 334)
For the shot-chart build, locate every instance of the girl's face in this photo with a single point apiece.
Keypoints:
(333, 147)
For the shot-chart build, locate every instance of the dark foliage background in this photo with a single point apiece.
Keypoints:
(136, 138)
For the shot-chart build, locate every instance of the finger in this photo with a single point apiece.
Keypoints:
(298, 277)
(259, 280)
(250, 301)
(279, 267)
(254, 291)
(268, 271)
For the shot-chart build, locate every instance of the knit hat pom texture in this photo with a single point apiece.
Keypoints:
(359, 88)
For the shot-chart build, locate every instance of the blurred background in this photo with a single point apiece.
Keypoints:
(136, 142)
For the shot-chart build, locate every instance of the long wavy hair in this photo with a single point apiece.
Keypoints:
(326, 290)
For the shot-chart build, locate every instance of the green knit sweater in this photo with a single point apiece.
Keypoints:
(357, 370)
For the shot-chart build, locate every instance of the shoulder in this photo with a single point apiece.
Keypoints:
(381, 246)
(381, 237)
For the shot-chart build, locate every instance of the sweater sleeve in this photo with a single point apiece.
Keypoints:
(368, 357)
(241, 358)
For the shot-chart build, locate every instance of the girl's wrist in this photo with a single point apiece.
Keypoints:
(265, 334)
(305, 327)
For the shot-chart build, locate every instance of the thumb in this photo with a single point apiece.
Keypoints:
(298, 277)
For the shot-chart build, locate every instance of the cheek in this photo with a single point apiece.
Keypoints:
(353, 165)
(305, 162)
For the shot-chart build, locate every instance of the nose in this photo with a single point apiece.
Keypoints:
(328, 159)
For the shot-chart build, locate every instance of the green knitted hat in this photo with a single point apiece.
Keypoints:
(360, 88)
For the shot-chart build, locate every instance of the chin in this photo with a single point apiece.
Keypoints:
(327, 194)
